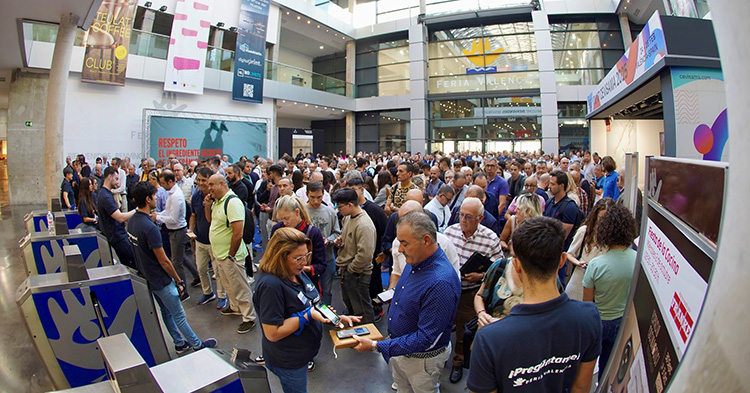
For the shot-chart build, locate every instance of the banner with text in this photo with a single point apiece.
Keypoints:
(192, 139)
(250, 55)
(107, 43)
(186, 60)
(645, 51)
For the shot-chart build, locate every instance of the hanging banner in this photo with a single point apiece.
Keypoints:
(107, 43)
(186, 61)
(250, 56)
(645, 51)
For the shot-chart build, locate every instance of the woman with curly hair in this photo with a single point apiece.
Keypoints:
(584, 248)
(608, 276)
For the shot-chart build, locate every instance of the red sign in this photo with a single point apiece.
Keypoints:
(681, 317)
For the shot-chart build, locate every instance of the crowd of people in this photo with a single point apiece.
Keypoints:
(554, 243)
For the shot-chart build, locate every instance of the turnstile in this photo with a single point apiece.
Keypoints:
(65, 318)
(36, 220)
(205, 371)
(43, 253)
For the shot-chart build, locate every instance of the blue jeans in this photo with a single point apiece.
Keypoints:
(326, 282)
(292, 380)
(609, 334)
(174, 316)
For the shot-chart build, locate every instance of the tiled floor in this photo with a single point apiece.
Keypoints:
(22, 371)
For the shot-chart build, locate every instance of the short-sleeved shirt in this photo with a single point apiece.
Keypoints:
(498, 186)
(610, 275)
(398, 193)
(219, 234)
(145, 237)
(536, 348)
(201, 224)
(67, 187)
(112, 229)
(275, 300)
(568, 216)
(483, 241)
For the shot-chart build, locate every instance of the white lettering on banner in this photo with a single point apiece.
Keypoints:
(482, 81)
(678, 289)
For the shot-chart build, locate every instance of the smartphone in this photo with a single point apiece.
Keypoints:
(328, 313)
(385, 297)
(359, 331)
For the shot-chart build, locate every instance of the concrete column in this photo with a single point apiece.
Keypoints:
(27, 102)
(547, 82)
(717, 357)
(56, 95)
(418, 88)
(627, 36)
(351, 54)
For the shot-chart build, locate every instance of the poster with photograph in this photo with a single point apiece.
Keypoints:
(107, 43)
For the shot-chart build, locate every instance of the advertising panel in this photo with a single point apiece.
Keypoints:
(107, 43)
(645, 51)
(700, 113)
(186, 60)
(250, 56)
(670, 284)
(482, 82)
(189, 139)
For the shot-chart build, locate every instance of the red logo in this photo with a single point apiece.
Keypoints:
(681, 317)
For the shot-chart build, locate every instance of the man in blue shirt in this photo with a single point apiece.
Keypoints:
(497, 185)
(162, 278)
(561, 207)
(112, 220)
(548, 343)
(422, 309)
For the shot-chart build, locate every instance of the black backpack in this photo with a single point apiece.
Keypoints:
(579, 213)
(248, 231)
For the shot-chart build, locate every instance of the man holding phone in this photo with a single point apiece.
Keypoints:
(422, 310)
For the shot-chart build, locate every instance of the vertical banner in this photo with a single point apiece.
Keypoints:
(107, 43)
(186, 61)
(249, 58)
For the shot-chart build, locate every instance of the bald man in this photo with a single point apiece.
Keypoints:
(390, 228)
(228, 248)
(469, 236)
(399, 261)
(488, 220)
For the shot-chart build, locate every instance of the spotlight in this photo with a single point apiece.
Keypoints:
(148, 4)
(233, 29)
(163, 8)
(220, 24)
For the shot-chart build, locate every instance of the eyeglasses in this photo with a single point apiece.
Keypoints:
(468, 217)
(302, 258)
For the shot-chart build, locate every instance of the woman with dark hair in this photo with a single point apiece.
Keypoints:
(370, 186)
(385, 181)
(584, 248)
(86, 203)
(297, 180)
(328, 179)
(284, 297)
(608, 276)
(609, 183)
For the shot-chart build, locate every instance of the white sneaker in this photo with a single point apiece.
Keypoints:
(394, 386)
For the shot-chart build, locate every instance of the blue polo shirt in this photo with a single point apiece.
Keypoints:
(498, 186)
(568, 216)
(609, 186)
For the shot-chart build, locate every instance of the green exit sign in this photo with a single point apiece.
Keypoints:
(29, 124)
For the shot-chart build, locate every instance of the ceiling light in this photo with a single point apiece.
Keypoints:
(322, 47)
(287, 12)
(308, 22)
(163, 8)
(305, 104)
(318, 26)
(299, 17)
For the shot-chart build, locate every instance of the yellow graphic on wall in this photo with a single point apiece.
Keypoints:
(481, 53)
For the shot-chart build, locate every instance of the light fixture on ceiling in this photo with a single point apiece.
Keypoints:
(299, 17)
(148, 4)
(220, 24)
(322, 47)
(163, 8)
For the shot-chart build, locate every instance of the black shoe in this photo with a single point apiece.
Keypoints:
(456, 374)
(196, 283)
(245, 327)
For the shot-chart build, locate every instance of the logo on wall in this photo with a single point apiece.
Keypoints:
(481, 54)
(710, 141)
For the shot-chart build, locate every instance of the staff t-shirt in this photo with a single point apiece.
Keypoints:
(275, 300)
(536, 348)
(112, 229)
(145, 236)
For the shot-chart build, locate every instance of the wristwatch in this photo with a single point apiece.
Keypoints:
(231, 258)
(375, 346)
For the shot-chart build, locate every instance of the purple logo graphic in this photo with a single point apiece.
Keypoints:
(710, 141)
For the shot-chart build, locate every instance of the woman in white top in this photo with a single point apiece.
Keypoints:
(584, 248)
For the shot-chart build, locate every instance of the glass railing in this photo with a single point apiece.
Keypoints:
(148, 44)
(300, 77)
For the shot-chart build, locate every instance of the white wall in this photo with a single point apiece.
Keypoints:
(227, 11)
(627, 136)
(107, 120)
(296, 59)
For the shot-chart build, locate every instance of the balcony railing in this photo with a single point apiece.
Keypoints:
(153, 45)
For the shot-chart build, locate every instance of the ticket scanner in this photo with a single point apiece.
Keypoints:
(43, 252)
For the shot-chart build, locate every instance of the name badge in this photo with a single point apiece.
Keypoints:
(302, 298)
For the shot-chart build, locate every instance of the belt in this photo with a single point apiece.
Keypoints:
(428, 354)
(175, 230)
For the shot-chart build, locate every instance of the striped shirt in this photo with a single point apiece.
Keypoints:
(483, 241)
